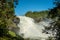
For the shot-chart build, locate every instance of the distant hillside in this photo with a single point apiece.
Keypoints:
(37, 15)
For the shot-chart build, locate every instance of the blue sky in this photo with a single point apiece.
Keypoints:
(32, 5)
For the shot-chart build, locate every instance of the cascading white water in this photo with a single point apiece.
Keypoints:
(32, 30)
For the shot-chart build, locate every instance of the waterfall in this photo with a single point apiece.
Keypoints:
(32, 30)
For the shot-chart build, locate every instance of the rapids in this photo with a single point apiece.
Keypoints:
(30, 29)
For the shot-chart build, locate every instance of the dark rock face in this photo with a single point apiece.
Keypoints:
(12, 25)
(16, 20)
(38, 19)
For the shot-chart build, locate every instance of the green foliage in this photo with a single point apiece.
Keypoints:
(35, 14)
(6, 17)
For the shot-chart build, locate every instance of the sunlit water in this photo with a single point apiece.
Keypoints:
(32, 30)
